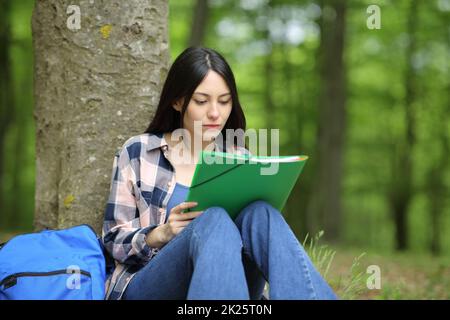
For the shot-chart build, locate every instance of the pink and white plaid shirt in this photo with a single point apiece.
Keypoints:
(142, 183)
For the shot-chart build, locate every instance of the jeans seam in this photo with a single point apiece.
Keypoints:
(305, 269)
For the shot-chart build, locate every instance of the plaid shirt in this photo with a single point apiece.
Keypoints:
(142, 183)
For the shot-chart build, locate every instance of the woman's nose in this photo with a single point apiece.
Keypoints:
(213, 111)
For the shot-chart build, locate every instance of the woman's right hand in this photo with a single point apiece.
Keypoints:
(178, 219)
(176, 222)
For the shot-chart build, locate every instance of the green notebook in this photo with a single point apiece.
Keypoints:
(233, 181)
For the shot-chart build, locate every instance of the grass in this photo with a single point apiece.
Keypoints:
(346, 286)
(403, 275)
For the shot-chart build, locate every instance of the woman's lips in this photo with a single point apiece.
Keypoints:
(211, 126)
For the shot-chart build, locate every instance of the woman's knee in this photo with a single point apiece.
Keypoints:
(216, 216)
(261, 209)
(216, 222)
(261, 204)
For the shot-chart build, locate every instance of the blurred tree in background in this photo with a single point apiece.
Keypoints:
(369, 106)
(17, 164)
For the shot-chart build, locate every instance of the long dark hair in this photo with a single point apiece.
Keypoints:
(185, 74)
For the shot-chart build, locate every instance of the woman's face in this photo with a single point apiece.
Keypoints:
(210, 105)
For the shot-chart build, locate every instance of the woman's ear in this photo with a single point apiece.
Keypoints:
(178, 104)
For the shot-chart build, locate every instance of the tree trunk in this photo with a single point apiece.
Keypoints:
(6, 102)
(325, 205)
(401, 186)
(269, 106)
(295, 111)
(94, 88)
(199, 23)
(436, 188)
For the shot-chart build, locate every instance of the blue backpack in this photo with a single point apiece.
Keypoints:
(53, 265)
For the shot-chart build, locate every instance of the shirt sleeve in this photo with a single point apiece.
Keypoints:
(122, 234)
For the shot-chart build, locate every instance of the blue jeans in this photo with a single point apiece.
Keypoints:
(215, 257)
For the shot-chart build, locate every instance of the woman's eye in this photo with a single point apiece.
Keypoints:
(204, 101)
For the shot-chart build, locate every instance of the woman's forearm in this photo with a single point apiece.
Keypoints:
(157, 237)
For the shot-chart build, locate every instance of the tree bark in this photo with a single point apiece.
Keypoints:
(94, 88)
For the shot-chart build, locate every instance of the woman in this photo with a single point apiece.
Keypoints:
(162, 252)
